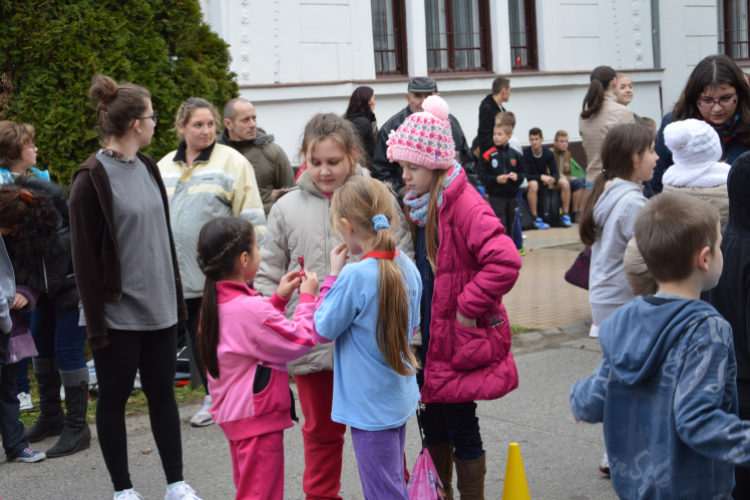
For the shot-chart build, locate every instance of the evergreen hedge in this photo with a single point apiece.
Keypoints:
(50, 50)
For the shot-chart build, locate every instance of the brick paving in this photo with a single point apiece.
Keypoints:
(541, 298)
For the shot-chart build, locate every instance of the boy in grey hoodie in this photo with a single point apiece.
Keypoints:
(11, 428)
(665, 389)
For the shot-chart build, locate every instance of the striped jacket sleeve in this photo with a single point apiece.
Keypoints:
(246, 201)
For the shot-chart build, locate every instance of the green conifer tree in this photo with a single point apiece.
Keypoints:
(50, 50)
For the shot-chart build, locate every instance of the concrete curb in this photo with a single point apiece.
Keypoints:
(552, 337)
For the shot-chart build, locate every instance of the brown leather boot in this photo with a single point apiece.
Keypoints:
(471, 478)
(442, 457)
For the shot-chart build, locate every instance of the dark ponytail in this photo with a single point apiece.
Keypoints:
(220, 244)
(38, 220)
(621, 145)
(600, 81)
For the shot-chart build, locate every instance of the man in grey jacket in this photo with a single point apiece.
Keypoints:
(11, 428)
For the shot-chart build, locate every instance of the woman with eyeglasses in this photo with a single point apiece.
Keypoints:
(205, 180)
(128, 279)
(601, 113)
(718, 93)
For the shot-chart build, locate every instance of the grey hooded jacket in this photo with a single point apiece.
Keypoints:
(614, 216)
(300, 224)
(7, 289)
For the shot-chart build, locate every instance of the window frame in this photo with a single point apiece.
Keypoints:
(485, 42)
(727, 45)
(400, 43)
(532, 48)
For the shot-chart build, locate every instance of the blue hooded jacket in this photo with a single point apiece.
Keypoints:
(667, 395)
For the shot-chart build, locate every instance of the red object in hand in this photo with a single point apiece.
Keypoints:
(301, 261)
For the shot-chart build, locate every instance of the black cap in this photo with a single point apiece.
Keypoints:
(422, 84)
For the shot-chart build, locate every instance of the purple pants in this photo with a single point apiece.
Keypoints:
(380, 460)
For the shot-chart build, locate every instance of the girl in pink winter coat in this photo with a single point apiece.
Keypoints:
(245, 342)
(467, 264)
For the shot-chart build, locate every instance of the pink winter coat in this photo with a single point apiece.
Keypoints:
(476, 265)
(251, 397)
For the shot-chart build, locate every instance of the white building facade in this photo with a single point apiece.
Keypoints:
(294, 58)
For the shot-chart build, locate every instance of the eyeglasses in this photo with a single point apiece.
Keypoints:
(724, 102)
(30, 146)
(153, 117)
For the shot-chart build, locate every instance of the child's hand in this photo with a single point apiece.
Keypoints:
(469, 323)
(502, 179)
(309, 283)
(513, 176)
(338, 258)
(288, 284)
(19, 302)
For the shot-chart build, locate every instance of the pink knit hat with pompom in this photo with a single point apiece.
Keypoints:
(425, 138)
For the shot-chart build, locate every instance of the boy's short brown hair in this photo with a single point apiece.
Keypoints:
(507, 127)
(560, 133)
(670, 230)
(499, 84)
(505, 117)
(13, 138)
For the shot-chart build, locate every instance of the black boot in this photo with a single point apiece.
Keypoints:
(76, 436)
(51, 419)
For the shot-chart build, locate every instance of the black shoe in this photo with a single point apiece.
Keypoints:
(76, 436)
(51, 418)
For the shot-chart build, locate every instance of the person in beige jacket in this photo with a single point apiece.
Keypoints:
(601, 113)
(299, 225)
(697, 171)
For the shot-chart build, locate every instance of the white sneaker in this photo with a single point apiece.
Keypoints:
(181, 492)
(25, 399)
(62, 393)
(130, 494)
(604, 464)
(594, 331)
(203, 418)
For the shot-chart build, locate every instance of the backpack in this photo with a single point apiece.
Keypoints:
(549, 207)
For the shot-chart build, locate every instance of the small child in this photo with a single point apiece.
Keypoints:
(542, 171)
(18, 152)
(570, 170)
(501, 171)
(665, 388)
(245, 342)
(466, 266)
(371, 309)
(508, 118)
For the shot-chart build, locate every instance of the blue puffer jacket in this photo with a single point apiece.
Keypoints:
(732, 150)
(666, 392)
(7, 178)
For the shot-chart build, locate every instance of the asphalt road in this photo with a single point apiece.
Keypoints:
(560, 457)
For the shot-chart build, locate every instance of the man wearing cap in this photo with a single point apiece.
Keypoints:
(390, 172)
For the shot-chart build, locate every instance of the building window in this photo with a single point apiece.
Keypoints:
(389, 36)
(733, 28)
(458, 35)
(523, 51)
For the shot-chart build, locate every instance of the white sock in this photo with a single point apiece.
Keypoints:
(172, 486)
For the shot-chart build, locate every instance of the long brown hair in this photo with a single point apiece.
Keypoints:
(714, 71)
(601, 78)
(358, 200)
(220, 244)
(431, 229)
(620, 148)
(331, 126)
(118, 105)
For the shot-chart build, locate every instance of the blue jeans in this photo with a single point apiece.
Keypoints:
(11, 427)
(58, 337)
(517, 230)
(23, 384)
(456, 423)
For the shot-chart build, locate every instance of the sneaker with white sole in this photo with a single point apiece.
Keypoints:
(29, 455)
(203, 418)
(604, 464)
(25, 399)
(566, 220)
(594, 331)
(182, 491)
(540, 224)
(130, 494)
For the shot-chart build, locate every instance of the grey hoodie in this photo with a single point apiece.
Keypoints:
(7, 289)
(614, 217)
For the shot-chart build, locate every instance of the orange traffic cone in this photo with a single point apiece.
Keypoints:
(515, 487)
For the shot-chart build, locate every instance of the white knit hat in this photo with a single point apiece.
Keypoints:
(696, 151)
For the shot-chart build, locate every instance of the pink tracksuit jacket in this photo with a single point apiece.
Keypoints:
(253, 332)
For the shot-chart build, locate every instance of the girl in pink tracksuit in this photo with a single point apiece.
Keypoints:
(466, 264)
(245, 342)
